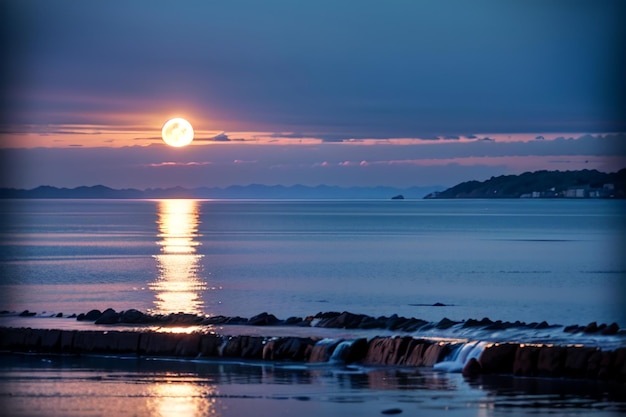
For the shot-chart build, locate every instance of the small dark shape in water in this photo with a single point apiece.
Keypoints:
(59, 315)
(437, 304)
(26, 313)
(398, 197)
(4, 312)
(302, 398)
(392, 411)
(71, 316)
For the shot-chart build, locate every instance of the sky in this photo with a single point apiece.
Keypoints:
(348, 93)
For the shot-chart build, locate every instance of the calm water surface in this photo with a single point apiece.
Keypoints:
(528, 260)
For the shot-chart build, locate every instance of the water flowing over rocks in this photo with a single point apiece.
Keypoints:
(472, 358)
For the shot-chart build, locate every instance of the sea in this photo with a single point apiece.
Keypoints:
(532, 260)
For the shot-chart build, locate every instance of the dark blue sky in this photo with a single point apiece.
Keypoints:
(324, 70)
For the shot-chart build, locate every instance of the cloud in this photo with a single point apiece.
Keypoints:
(177, 164)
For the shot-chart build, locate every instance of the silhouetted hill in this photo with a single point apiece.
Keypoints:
(253, 191)
(543, 184)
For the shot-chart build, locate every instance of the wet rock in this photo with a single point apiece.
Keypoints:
(210, 345)
(477, 323)
(572, 329)
(591, 328)
(289, 348)
(187, 345)
(498, 358)
(236, 320)
(133, 316)
(593, 364)
(59, 315)
(619, 365)
(551, 361)
(433, 354)
(214, 320)
(525, 363)
(321, 352)
(50, 340)
(183, 319)
(12, 338)
(345, 320)
(576, 361)
(372, 323)
(244, 347)
(356, 352)
(612, 329)
(263, 319)
(154, 343)
(446, 323)
(92, 315)
(291, 321)
(416, 351)
(109, 316)
(26, 313)
(386, 350)
(472, 368)
(392, 411)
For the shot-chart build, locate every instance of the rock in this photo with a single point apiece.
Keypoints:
(356, 352)
(210, 345)
(446, 323)
(59, 315)
(551, 361)
(215, 320)
(92, 315)
(290, 348)
(244, 347)
(498, 358)
(386, 350)
(398, 197)
(433, 354)
(345, 320)
(612, 329)
(415, 352)
(576, 361)
(472, 368)
(291, 321)
(236, 320)
(439, 305)
(263, 319)
(525, 363)
(187, 345)
(132, 316)
(322, 351)
(26, 313)
(109, 316)
(591, 328)
(392, 411)
(154, 343)
(572, 329)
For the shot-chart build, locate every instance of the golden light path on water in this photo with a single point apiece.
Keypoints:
(178, 285)
(173, 397)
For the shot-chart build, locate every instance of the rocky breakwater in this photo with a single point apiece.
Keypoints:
(473, 358)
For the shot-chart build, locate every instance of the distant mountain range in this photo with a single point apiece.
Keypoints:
(253, 191)
(543, 184)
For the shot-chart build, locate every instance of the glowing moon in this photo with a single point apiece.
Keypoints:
(177, 132)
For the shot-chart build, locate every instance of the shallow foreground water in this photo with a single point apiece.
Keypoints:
(49, 385)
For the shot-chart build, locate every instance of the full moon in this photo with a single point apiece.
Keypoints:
(177, 132)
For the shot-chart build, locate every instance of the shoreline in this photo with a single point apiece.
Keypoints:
(190, 336)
